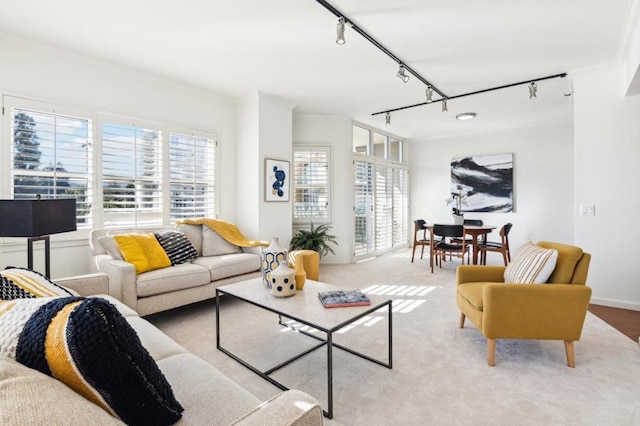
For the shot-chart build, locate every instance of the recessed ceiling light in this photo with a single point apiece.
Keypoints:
(466, 116)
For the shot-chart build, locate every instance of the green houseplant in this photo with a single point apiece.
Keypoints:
(316, 239)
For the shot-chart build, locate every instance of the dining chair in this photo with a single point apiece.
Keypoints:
(498, 247)
(420, 237)
(447, 245)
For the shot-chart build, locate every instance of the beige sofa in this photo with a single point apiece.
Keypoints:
(28, 397)
(218, 263)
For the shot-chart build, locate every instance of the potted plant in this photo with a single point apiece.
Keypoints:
(316, 239)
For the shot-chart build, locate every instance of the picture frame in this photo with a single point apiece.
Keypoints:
(277, 180)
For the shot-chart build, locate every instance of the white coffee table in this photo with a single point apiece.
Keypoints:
(304, 308)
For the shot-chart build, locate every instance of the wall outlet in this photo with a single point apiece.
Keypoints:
(587, 210)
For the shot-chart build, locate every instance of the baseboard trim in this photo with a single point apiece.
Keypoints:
(613, 303)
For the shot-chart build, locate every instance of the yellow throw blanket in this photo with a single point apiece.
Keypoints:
(226, 230)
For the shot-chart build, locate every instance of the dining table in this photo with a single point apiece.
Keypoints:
(474, 231)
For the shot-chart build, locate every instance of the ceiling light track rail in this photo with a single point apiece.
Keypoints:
(386, 51)
(477, 92)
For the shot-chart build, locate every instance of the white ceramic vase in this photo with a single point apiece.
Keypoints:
(458, 219)
(272, 257)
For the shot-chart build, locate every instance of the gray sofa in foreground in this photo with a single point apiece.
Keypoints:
(218, 263)
(28, 397)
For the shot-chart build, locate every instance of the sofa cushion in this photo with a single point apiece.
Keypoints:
(30, 397)
(209, 396)
(568, 257)
(229, 265)
(143, 251)
(177, 246)
(89, 346)
(22, 283)
(194, 233)
(111, 246)
(531, 264)
(174, 278)
(472, 293)
(214, 245)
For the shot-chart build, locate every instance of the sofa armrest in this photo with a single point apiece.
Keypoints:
(479, 273)
(86, 285)
(292, 407)
(534, 311)
(122, 279)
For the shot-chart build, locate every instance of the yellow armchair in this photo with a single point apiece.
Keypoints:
(552, 311)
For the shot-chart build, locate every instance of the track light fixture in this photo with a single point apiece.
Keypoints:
(429, 94)
(404, 68)
(402, 74)
(387, 118)
(340, 27)
(533, 90)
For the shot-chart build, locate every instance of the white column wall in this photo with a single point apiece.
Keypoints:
(337, 133)
(607, 153)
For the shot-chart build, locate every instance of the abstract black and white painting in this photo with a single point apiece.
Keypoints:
(486, 182)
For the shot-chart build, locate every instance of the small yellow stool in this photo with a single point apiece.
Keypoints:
(310, 261)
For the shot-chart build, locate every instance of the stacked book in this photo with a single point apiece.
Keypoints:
(342, 298)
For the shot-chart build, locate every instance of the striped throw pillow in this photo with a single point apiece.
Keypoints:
(22, 283)
(177, 246)
(531, 264)
(89, 346)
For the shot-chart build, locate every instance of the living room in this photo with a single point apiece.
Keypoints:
(586, 155)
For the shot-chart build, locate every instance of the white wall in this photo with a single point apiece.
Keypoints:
(43, 73)
(337, 133)
(543, 181)
(607, 154)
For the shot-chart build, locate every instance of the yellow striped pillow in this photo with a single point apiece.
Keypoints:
(22, 283)
(531, 264)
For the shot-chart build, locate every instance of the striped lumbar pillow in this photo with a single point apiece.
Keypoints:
(89, 346)
(177, 246)
(21, 283)
(531, 264)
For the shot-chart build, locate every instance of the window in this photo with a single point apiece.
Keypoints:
(381, 204)
(50, 156)
(132, 175)
(191, 176)
(121, 171)
(311, 184)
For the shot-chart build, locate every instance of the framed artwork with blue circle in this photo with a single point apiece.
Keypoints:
(277, 180)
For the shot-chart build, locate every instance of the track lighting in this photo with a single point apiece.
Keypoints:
(387, 119)
(402, 75)
(340, 39)
(444, 105)
(533, 90)
(429, 94)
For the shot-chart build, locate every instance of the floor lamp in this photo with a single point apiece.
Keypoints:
(36, 220)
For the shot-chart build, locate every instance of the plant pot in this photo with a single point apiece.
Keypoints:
(458, 219)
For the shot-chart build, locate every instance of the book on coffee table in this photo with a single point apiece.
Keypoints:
(342, 298)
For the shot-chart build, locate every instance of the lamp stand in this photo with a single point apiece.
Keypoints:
(47, 262)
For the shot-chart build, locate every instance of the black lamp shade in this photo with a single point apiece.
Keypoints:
(35, 218)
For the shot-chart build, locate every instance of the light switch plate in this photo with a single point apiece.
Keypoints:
(587, 210)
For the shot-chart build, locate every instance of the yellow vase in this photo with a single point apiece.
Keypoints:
(300, 274)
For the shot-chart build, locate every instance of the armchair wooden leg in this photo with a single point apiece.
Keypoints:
(491, 352)
(568, 348)
(462, 318)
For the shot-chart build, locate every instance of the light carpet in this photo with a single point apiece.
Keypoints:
(439, 375)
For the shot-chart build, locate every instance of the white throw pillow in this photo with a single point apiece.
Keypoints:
(531, 264)
(214, 245)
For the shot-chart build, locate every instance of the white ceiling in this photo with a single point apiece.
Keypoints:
(287, 48)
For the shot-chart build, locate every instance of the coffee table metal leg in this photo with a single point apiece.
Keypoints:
(330, 375)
